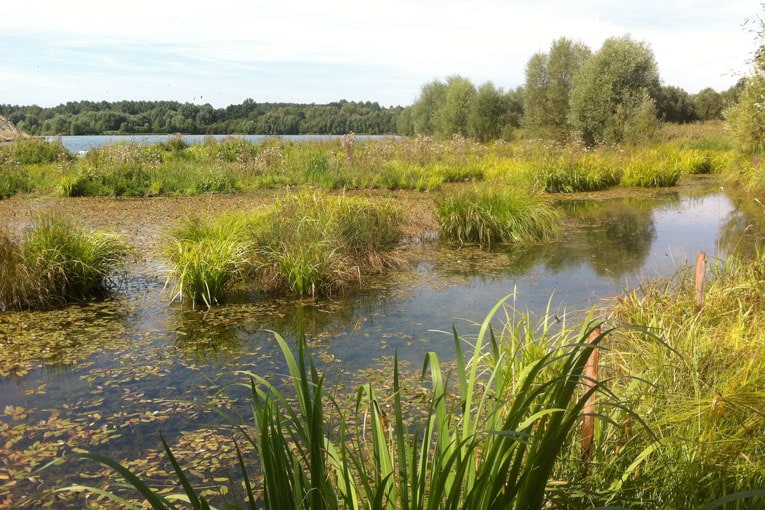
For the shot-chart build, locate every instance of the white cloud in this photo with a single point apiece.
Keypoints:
(393, 47)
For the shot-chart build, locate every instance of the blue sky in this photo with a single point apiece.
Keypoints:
(224, 51)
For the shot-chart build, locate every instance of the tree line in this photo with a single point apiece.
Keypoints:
(249, 117)
(613, 95)
(610, 95)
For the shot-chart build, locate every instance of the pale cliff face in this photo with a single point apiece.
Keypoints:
(8, 131)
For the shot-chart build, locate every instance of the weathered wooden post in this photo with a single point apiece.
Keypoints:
(700, 266)
(588, 412)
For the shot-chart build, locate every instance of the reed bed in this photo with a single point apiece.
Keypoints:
(701, 393)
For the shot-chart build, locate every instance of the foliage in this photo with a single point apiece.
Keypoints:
(550, 78)
(703, 401)
(490, 215)
(57, 262)
(29, 151)
(613, 87)
(746, 119)
(249, 117)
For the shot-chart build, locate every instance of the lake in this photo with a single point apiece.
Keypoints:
(77, 144)
(151, 363)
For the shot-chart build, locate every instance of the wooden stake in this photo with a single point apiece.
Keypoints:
(700, 266)
(588, 412)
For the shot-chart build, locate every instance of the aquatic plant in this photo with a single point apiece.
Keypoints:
(315, 244)
(208, 257)
(651, 169)
(493, 444)
(57, 262)
(491, 215)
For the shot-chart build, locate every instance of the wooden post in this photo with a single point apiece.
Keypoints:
(588, 412)
(700, 266)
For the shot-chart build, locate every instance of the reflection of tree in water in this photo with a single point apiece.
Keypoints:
(613, 237)
(224, 333)
(743, 232)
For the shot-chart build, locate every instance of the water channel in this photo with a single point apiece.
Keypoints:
(151, 359)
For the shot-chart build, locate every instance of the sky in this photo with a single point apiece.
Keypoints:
(222, 52)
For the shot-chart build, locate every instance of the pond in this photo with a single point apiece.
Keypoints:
(117, 374)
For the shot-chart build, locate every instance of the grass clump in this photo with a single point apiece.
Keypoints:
(652, 169)
(314, 244)
(208, 258)
(307, 244)
(57, 262)
(489, 216)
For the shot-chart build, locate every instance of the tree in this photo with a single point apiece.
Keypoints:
(614, 85)
(674, 104)
(452, 115)
(487, 113)
(708, 104)
(549, 81)
(425, 108)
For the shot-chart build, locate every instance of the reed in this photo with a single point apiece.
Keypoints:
(491, 215)
(702, 398)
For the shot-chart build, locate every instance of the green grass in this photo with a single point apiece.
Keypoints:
(57, 262)
(307, 244)
(493, 215)
(701, 394)
(208, 258)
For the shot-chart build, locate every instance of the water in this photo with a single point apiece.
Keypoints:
(153, 359)
(78, 144)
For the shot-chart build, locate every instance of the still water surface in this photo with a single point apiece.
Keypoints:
(77, 144)
(157, 355)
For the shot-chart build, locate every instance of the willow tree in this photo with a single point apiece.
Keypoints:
(549, 82)
(612, 99)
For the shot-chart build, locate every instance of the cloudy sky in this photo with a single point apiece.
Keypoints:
(316, 51)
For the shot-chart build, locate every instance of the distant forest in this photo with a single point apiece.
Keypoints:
(249, 117)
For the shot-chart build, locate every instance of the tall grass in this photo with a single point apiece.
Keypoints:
(314, 244)
(208, 258)
(306, 243)
(703, 400)
(57, 262)
(490, 441)
(491, 215)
